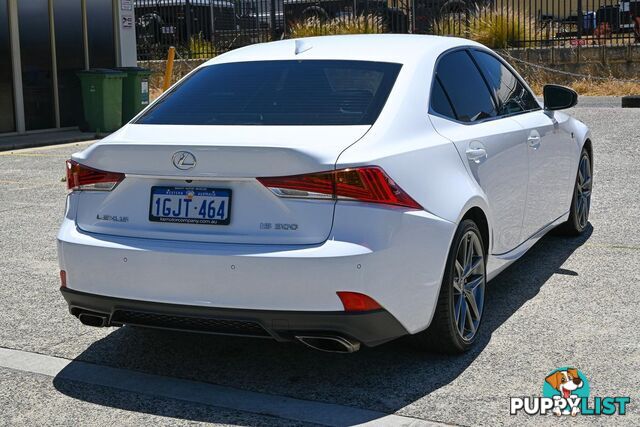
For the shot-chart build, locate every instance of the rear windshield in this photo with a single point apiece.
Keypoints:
(278, 93)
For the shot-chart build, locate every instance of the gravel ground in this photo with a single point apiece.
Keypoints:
(567, 302)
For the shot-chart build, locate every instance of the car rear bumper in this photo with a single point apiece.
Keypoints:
(394, 256)
(370, 328)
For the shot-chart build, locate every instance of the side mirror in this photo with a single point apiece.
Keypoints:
(559, 97)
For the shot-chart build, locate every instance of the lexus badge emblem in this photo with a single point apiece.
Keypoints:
(184, 160)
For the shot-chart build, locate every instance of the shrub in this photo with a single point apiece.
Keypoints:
(495, 28)
(362, 24)
(201, 48)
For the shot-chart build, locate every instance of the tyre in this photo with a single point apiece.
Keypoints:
(581, 201)
(460, 305)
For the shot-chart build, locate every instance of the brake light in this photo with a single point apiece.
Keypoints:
(80, 177)
(354, 301)
(365, 184)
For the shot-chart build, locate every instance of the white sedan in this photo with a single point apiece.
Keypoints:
(336, 191)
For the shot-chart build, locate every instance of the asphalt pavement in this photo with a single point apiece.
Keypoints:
(569, 301)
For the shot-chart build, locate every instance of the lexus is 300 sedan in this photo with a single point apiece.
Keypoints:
(337, 191)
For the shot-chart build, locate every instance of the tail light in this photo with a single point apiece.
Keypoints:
(366, 184)
(354, 301)
(80, 177)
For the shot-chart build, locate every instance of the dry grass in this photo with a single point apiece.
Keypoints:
(605, 88)
(494, 28)
(363, 24)
(590, 87)
(605, 85)
(154, 93)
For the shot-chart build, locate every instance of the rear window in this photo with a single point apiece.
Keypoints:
(278, 93)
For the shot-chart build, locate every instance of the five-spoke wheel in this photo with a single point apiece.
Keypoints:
(468, 285)
(581, 201)
(458, 313)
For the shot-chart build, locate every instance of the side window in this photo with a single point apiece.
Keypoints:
(439, 101)
(467, 91)
(512, 95)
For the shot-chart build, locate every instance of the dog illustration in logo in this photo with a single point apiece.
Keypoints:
(566, 382)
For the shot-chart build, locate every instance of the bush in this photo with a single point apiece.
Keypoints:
(494, 28)
(362, 24)
(201, 48)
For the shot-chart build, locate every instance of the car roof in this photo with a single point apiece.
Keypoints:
(398, 48)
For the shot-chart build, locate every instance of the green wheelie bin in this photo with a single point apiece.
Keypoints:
(135, 91)
(102, 98)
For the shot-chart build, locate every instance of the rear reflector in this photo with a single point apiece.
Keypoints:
(354, 301)
(63, 279)
(366, 184)
(80, 177)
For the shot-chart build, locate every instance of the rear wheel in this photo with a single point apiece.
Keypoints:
(458, 315)
(581, 202)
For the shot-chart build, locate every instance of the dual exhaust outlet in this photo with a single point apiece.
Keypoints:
(90, 319)
(329, 343)
(326, 343)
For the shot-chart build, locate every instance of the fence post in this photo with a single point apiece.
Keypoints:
(187, 19)
(212, 29)
(272, 16)
(580, 20)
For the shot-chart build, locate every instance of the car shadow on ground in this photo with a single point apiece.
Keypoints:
(386, 378)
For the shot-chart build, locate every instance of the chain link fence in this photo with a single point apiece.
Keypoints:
(204, 28)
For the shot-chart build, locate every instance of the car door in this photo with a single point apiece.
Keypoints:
(552, 155)
(550, 152)
(464, 110)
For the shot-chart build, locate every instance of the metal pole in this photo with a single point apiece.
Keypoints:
(18, 97)
(272, 16)
(188, 18)
(580, 19)
(85, 33)
(54, 65)
(212, 26)
(117, 25)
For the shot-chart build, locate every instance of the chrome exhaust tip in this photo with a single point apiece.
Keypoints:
(96, 320)
(329, 344)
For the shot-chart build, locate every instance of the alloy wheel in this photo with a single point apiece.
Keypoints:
(583, 192)
(468, 285)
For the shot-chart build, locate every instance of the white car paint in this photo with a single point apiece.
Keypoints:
(395, 255)
(502, 174)
(551, 167)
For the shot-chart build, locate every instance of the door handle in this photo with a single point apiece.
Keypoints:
(534, 141)
(476, 152)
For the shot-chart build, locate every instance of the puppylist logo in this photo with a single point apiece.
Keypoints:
(566, 392)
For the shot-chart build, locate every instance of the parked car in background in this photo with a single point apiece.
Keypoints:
(182, 23)
(394, 19)
(258, 15)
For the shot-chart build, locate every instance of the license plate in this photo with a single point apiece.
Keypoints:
(190, 205)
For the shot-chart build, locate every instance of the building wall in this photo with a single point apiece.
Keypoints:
(42, 47)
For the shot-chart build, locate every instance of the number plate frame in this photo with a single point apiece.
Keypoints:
(225, 192)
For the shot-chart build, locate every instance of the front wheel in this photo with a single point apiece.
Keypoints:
(458, 314)
(581, 201)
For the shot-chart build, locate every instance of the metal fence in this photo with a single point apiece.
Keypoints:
(204, 28)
